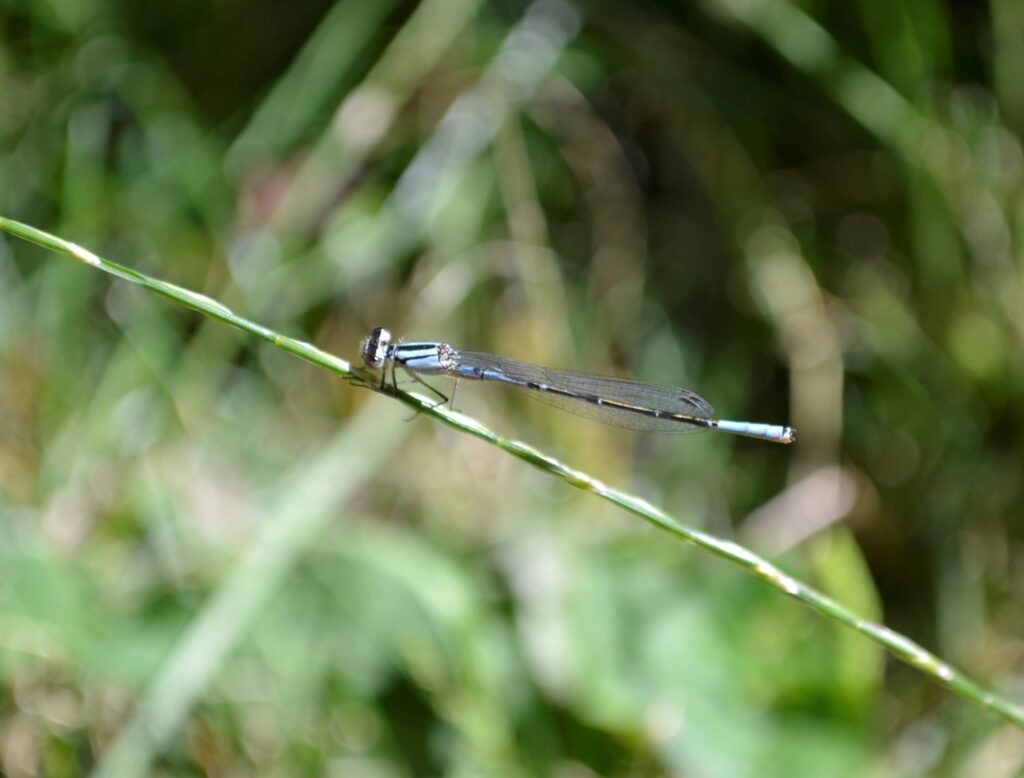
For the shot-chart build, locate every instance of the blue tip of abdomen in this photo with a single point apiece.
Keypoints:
(776, 433)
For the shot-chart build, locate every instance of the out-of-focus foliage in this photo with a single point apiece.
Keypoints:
(810, 213)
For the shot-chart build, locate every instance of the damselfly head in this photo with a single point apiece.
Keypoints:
(375, 348)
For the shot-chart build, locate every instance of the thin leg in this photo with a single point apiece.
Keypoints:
(394, 368)
(451, 400)
(419, 380)
(415, 377)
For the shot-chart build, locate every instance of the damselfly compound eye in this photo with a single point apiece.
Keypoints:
(375, 348)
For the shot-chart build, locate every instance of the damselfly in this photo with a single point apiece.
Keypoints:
(617, 401)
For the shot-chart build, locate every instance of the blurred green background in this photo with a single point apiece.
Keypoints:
(218, 560)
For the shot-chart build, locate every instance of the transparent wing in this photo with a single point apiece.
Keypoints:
(625, 403)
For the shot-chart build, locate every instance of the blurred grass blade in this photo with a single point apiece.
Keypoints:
(362, 120)
(471, 123)
(294, 518)
(901, 646)
(467, 128)
(307, 89)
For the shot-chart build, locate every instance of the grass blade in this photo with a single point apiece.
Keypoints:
(900, 646)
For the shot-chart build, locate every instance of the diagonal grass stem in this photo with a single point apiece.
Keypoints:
(900, 646)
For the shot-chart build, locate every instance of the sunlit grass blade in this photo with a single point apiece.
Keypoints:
(900, 646)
